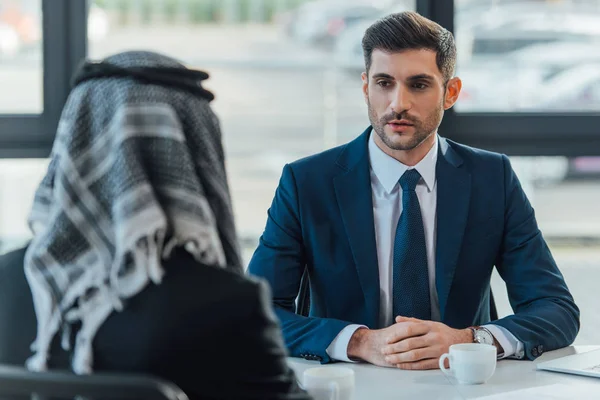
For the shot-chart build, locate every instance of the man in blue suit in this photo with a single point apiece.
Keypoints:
(400, 228)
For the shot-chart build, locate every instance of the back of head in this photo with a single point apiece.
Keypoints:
(137, 169)
(114, 109)
(410, 31)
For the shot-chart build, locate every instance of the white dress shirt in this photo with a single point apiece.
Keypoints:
(387, 207)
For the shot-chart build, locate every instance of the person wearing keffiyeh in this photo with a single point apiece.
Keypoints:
(134, 263)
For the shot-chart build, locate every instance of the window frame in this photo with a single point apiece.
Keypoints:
(63, 36)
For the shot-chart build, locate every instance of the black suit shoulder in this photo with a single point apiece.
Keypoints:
(222, 322)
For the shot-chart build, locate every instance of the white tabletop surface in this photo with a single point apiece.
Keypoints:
(376, 383)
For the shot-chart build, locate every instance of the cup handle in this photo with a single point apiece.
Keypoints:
(445, 370)
(335, 390)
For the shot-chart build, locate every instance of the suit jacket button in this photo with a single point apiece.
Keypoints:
(534, 352)
(540, 349)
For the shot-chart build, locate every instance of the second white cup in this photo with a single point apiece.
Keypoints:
(329, 383)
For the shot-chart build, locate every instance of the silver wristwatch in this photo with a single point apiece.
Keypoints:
(482, 335)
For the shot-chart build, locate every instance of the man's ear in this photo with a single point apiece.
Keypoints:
(365, 85)
(453, 89)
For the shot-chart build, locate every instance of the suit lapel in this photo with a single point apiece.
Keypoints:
(453, 196)
(353, 193)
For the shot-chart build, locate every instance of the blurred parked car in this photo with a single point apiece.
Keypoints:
(576, 89)
(348, 52)
(515, 82)
(321, 22)
(502, 31)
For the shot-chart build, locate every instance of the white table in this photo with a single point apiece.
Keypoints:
(376, 383)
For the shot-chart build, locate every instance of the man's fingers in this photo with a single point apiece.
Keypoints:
(431, 363)
(414, 355)
(411, 343)
(404, 330)
(400, 318)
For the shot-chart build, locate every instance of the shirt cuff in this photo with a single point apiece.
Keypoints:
(338, 348)
(512, 347)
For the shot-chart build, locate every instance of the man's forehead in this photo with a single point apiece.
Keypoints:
(404, 64)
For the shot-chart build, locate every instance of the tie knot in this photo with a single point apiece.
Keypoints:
(409, 179)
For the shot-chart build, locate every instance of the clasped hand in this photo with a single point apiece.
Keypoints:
(410, 343)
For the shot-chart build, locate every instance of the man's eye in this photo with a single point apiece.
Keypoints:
(420, 86)
(383, 83)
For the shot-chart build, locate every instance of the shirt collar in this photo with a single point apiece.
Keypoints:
(388, 170)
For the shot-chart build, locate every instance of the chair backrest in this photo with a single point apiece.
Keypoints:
(303, 300)
(17, 382)
(303, 305)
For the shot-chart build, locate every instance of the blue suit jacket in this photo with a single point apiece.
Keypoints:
(322, 219)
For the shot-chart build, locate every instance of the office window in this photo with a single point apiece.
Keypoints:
(528, 55)
(21, 77)
(286, 75)
(524, 57)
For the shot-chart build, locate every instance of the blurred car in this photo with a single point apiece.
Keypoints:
(558, 55)
(576, 89)
(348, 53)
(491, 32)
(496, 87)
(513, 82)
(321, 22)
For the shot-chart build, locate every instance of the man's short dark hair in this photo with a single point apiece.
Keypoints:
(411, 31)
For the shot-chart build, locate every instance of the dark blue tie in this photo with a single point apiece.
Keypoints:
(410, 275)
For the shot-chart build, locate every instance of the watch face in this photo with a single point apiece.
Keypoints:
(483, 336)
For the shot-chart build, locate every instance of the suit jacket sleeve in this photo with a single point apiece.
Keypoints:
(281, 258)
(546, 317)
(262, 368)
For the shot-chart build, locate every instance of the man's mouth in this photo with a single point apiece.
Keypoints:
(400, 122)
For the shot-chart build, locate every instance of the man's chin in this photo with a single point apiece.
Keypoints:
(400, 142)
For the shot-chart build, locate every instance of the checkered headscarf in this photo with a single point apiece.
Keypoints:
(136, 169)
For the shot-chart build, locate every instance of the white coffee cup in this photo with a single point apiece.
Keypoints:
(470, 363)
(329, 383)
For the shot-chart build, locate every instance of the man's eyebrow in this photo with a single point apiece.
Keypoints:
(383, 75)
(419, 77)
